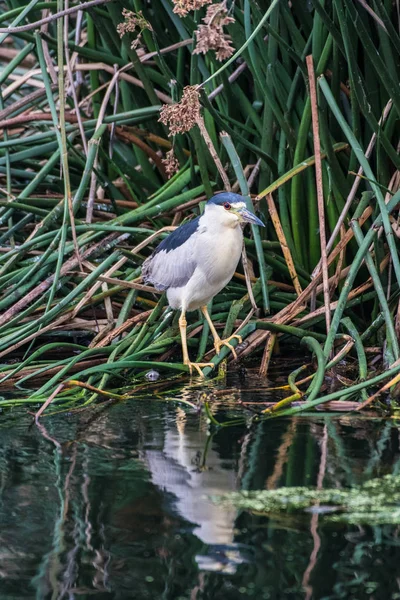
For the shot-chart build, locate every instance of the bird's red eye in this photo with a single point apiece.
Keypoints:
(227, 206)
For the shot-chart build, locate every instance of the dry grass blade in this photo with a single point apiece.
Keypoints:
(49, 401)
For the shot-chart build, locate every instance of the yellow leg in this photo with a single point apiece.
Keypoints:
(217, 340)
(186, 359)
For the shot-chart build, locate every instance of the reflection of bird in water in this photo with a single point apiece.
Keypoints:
(179, 470)
(197, 260)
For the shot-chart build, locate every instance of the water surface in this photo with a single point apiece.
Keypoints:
(115, 502)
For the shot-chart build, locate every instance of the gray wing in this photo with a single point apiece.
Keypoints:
(171, 267)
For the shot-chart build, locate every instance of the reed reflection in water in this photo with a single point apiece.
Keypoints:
(119, 499)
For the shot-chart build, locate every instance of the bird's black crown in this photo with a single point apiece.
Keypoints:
(230, 197)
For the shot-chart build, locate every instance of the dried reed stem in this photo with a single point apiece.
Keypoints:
(282, 240)
(320, 192)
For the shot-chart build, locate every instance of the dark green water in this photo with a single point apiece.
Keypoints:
(115, 503)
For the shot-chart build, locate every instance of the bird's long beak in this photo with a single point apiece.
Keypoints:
(248, 217)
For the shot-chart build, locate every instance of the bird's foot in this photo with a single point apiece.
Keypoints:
(198, 367)
(218, 343)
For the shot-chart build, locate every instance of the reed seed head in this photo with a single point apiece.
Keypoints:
(134, 23)
(183, 115)
(171, 163)
(182, 7)
(211, 35)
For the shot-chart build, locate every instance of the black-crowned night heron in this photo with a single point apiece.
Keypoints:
(198, 259)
